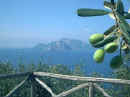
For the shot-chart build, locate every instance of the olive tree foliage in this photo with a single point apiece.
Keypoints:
(117, 37)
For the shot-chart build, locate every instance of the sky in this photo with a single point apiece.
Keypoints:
(25, 23)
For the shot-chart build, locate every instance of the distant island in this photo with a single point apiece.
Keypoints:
(65, 51)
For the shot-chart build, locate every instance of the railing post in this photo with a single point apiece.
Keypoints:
(31, 89)
(91, 90)
(32, 85)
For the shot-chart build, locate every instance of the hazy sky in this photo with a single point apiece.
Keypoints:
(25, 23)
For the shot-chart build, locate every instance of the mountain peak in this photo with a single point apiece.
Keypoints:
(63, 44)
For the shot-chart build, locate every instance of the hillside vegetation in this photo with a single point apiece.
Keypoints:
(59, 85)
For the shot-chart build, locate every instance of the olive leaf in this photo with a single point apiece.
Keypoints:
(86, 12)
(120, 7)
(108, 5)
(105, 41)
(110, 30)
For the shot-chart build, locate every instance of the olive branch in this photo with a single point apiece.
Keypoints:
(117, 36)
